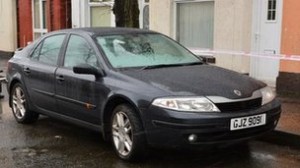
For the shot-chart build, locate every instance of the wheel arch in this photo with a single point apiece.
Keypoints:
(10, 86)
(113, 102)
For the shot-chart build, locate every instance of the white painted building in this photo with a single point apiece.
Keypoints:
(234, 25)
(8, 26)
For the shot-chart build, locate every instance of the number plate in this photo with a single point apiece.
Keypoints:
(247, 122)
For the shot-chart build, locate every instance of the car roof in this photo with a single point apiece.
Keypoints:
(104, 30)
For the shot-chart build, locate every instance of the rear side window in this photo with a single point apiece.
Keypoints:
(48, 50)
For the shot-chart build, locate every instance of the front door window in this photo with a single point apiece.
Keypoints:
(79, 52)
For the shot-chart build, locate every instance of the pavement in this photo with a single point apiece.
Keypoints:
(290, 118)
(287, 132)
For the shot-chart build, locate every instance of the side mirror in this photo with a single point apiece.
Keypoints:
(208, 59)
(204, 55)
(88, 69)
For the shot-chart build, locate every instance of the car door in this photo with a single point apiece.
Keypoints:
(39, 72)
(78, 95)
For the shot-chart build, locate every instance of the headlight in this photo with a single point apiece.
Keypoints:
(196, 104)
(267, 95)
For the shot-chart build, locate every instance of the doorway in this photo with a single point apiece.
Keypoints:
(266, 39)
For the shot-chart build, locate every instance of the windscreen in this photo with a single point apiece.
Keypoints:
(139, 50)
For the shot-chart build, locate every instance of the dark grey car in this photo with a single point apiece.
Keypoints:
(138, 88)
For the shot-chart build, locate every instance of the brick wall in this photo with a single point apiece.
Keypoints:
(24, 22)
(288, 81)
(59, 14)
(58, 17)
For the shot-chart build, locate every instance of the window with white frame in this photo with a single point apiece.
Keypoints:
(39, 14)
(100, 13)
(195, 23)
(145, 14)
(271, 10)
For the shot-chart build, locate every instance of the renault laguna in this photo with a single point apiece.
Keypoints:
(139, 88)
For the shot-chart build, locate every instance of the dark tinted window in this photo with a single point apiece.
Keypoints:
(79, 52)
(48, 50)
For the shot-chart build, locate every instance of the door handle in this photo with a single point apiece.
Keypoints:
(26, 70)
(60, 78)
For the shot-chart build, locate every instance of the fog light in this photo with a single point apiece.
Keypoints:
(193, 138)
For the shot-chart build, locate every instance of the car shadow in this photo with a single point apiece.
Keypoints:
(74, 139)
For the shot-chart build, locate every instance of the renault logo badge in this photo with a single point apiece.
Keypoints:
(237, 92)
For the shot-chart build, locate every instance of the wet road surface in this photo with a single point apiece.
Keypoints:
(51, 143)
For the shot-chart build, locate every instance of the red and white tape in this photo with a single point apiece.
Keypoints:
(200, 51)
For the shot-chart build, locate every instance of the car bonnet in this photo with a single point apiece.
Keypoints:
(198, 80)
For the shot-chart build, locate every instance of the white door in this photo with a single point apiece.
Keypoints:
(266, 36)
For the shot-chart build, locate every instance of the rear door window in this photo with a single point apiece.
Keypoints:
(48, 50)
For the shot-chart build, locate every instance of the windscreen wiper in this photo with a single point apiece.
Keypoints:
(192, 63)
(159, 66)
(169, 65)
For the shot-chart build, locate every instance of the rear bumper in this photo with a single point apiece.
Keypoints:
(169, 128)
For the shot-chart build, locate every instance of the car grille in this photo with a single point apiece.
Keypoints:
(239, 105)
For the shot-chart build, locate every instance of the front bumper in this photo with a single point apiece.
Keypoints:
(169, 128)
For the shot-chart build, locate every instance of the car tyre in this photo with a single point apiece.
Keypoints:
(19, 105)
(127, 134)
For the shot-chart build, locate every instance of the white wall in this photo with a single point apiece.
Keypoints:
(8, 37)
(233, 20)
(161, 16)
(232, 28)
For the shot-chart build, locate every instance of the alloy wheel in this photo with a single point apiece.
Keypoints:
(122, 133)
(18, 102)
